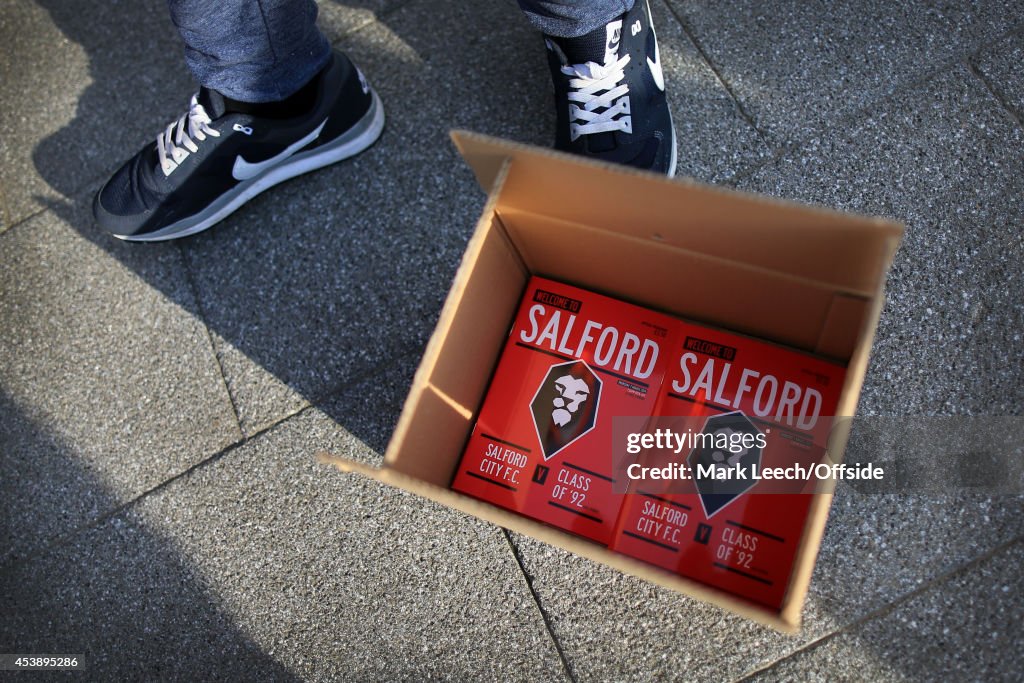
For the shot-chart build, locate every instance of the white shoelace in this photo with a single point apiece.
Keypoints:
(174, 144)
(595, 86)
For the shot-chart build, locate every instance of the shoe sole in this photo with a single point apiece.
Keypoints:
(350, 143)
(672, 160)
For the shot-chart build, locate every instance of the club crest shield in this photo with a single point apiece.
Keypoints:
(713, 455)
(565, 405)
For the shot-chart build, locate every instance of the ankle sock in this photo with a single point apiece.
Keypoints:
(296, 104)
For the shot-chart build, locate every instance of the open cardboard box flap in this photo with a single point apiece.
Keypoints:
(806, 277)
(816, 244)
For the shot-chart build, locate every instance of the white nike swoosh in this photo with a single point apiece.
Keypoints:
(659, 76)
(244, 170)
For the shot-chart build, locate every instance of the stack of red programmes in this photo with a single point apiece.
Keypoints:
(544, 446)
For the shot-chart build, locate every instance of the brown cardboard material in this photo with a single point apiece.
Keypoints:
(805, 277)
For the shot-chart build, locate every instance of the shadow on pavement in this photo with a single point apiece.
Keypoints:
(119, 593)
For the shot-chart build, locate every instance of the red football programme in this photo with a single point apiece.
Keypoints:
(542, 445)
(734, 407)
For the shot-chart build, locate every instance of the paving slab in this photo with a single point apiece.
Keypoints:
(84, 86)
(369, 409)
(973, 25)
(714, 140)
(999, 65)
(800, 67)
(336, 19)
(965, 628)
(878, 547)
(945, 160)
(265, 563)
(613, 627)
(109, 387)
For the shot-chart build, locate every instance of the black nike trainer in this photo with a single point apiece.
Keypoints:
(610, 94)
(213, 159)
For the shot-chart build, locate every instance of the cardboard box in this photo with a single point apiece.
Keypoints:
(739, 534)
(807, 278)
(542, 444)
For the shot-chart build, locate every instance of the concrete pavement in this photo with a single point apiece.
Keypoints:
(160, 508)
